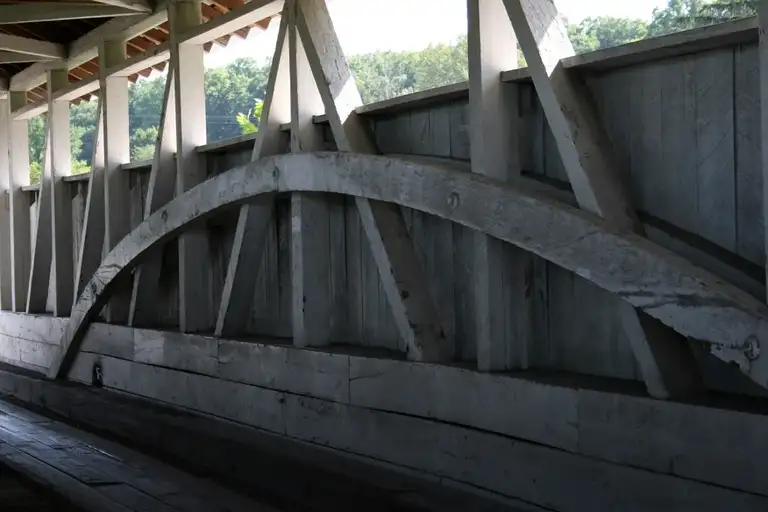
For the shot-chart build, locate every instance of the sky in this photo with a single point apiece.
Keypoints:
(369, 25)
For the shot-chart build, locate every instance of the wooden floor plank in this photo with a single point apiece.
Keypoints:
(98, 476)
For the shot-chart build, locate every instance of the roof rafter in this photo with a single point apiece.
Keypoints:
(29, 46)
(134, 5)
(55, 11)
(85, 48)
(13, 57)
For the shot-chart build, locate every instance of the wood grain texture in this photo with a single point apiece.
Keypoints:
(161, 189)
(688, 299)
(750, 231)
(40, 269)
(90, 229)
(404, 283)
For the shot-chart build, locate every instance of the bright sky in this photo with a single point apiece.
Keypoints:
(369, 25)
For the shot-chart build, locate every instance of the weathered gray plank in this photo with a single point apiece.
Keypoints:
(355, 287)
(669, 122)
(281, 368)
(716, 167)
(586, 334)
(459, 122)
(749, 179)
(407, 440)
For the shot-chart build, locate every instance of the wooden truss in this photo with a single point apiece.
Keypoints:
(310, 76)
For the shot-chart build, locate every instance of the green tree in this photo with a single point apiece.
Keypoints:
(605, 32)
(249, 123)
(720, 11)
(143, 143)
(230, 91)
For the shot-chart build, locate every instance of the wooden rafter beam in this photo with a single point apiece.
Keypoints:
(14, 58)
(134, 5)
(55, 11)
(28, 46)
(247, 15)
(85, 48)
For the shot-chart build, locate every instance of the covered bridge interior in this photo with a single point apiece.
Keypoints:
(540, 289)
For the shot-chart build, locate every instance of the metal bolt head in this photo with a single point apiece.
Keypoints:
(454, 200)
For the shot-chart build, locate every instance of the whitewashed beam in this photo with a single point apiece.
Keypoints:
(40, 269)
(139, 62)
(21, 253)
(61, 200)
(87, 47)
(57, 11)
(314, 310)
(194, 259)
(763, 61)
(160, 190)
(117, 151)
(255, 217)
(77, 89)
(134, 5)
(732, 324)
(12, 58)
(250, 13)
(27, 111)
(6, 287)
(91, 247)
(80, 88)
(25, 45)
(502, 298)
(597, 180)
(404, 281)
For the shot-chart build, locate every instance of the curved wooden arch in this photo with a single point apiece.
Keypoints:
(688, 299)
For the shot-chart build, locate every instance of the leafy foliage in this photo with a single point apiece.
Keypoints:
(249, 123)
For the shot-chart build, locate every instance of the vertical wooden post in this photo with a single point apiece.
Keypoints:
(40, 270)
(194, 260)
(313, 304)
(501, 297)
(6, 286)
(256, 217)
(92, 238)
(117, 151)
(61, 202)
(21, 247)
(160, 190)
(762, 13)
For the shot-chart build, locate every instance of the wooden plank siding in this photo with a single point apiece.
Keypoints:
(685, 129)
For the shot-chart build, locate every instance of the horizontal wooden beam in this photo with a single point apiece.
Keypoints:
(29, 111)
(84, 87)
(14, 58)
(58, 11)
(134, 5)
(142, 61)
(30, 46)
(250, 13)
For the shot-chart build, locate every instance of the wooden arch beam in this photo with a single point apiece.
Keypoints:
(688, 299)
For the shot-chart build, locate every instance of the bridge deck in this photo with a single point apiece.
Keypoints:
(98, 475)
